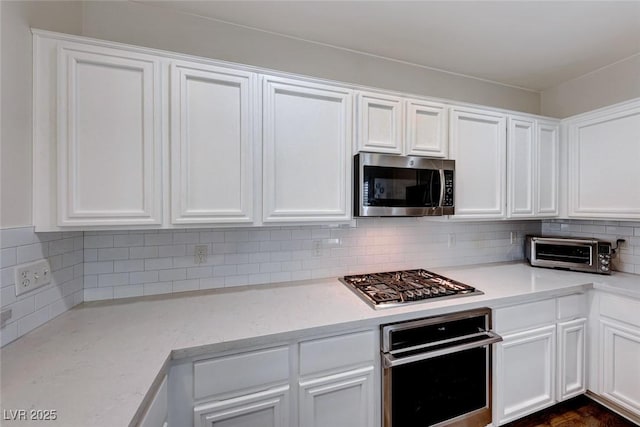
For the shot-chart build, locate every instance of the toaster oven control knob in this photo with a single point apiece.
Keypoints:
(604, 268)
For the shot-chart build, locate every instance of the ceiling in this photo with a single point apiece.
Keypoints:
(529, 44)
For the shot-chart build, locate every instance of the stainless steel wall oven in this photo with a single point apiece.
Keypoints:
(437, 371)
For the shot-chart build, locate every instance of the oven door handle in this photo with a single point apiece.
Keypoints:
(390, 361)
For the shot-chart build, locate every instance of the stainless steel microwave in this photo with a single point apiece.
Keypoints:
(388, 185)
(589, 255)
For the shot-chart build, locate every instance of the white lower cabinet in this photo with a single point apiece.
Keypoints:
(326, 382)
(343, 399)
(525, 373)
(617, 358)
(541, 360)
(268, 408)
(571, 358)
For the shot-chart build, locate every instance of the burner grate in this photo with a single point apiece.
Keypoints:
(401, 287)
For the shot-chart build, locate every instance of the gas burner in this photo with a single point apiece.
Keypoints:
(394, 288)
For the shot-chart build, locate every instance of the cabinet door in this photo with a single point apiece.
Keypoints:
(525, 373)
(340, 400)
(478, 145)
(426, 129)
(306, 152)
(620, 355)
(571, 358)
(265, 409)
(379, 123)
(522, 159)
(109, 137)
(547, 160)
(212, 141)
(604, 155)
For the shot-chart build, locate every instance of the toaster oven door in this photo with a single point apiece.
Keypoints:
(564, 253)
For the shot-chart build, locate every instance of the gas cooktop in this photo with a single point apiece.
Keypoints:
(394, 288)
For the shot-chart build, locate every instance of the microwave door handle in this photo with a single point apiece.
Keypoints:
(441, 201)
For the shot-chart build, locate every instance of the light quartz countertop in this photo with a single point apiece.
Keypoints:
(99, 363)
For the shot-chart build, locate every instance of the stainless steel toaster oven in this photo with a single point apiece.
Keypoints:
(589, 255)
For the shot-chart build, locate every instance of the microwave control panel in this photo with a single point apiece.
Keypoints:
(448, 188)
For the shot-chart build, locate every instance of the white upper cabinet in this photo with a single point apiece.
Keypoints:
(394, 125)
(478, 145)
(533, 150)
(604, 154)
(547, 168)
(109, 136)
(521, 167)
(379, 123)
(212, 144)
(306, 151)
(426, 129)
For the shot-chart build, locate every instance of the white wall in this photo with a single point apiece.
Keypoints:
(609, 85)
(161, 28)
(15, 149)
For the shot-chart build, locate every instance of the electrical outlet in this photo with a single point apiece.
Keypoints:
(514, 237)
(451, 240)
(200, 254)
(32, 275)
(5, 316)
(317, 248)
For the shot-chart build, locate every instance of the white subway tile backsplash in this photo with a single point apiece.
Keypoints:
(113, 279)
(199, 272)
(172, 250)
(128, 266)
(64, 252)
(158, 239)
(157, 288)
(98, 267)
(110, 254)
(158, 263)
(128, 291)
(98, 241)
(143, 252)
(172, 274)
(128, 240)
(32, 252)
(185, 285)
(143, 277)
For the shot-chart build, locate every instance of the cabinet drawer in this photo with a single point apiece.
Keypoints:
(572, 306)
(524, 316)
(623, 309)
(240, 372)
(336, 352)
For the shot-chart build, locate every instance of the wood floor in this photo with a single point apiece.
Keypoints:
(578, 412)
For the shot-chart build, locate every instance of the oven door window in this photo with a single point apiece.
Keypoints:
(564, 253)
(438, 389)
(401, 187)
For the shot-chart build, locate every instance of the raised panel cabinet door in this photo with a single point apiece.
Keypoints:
(109, 137)
(524, 373)
(620, 358)
(521, 166)
(604, 154)
(571, 358)
(212, 144)
(379, 123)
(268, 408)
(547, 168)
(426, 129)
(306, 151)
(478, 145)
(340, 400)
